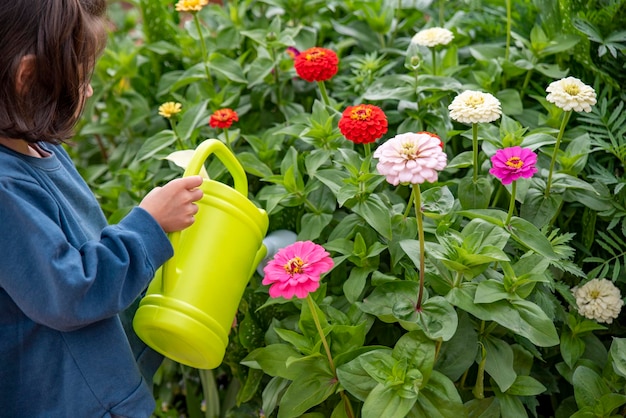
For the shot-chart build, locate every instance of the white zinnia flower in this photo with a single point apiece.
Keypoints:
(571, 94)
(474, 107)
(433, 37)
(598, 299)
(411, 158)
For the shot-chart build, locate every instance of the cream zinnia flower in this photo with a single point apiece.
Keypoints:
(571, 94)
(411, 158)
(598, 299)
(433, 37)
(168, 109)
(191, 5)
(474, 107)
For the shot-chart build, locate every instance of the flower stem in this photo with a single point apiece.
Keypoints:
(434, 54)
(323, 92)
(479, 387)
(512, 203)
(420, 231)
(475, 150)
(204, 53)
(508, 30)
(564, 121)
(226, 137)
(410, 204)
(368, 150)
(179, 142)
(316, 319)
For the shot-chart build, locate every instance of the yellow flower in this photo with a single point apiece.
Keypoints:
(191, 5)
(571, 94)
(169, 109)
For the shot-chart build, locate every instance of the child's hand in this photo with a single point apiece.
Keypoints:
(172, 205)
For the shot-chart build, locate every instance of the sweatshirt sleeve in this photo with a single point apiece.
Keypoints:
(66, 287)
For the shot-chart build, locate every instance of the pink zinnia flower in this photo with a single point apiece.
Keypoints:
(411, 158)
(509, 164)
(296, 270)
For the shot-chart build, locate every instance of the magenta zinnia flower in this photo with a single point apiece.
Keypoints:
(296, 270)
(411, 158)
(509, 164)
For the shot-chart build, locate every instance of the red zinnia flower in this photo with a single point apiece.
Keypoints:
(434, 136)
(363, 124)
(316, 64)
(223, 118)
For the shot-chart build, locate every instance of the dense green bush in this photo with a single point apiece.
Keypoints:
(497, 332)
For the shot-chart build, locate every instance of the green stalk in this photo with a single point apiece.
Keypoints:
(324, 93)
(211, 396)
(204, 53)
(508, 30)
(227, 138)
(347, 405)
(475, 150)
(512, 203)
(434, 55)
(564, 121)
(420, 231)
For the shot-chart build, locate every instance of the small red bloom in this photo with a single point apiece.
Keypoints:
(434, 136)
(363, 124)
(316, 64)
(223, 118)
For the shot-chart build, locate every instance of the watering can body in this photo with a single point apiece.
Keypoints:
(190, 305)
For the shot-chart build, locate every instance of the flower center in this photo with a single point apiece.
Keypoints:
(572, 89)
(294, 266)
(314, 55)
(361, 113)
(594, 294)
(409, 150)
(475, 101)
(515, 162)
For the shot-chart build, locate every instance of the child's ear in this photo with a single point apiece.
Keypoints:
(25, 72)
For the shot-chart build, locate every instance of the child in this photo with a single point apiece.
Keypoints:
(64, 274)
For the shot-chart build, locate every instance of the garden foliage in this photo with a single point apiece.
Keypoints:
(497, 328)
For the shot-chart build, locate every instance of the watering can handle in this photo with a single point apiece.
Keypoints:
(213, 146)
(202, 152)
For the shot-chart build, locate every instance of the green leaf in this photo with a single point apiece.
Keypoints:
(250, 386)
(618, 355)
(526, 386)
(458, 354)
(499, 362)
(272, 393)
(313, 386)
(475, 195)
(272, 359)
(520, 316)
(384, 297)
(418, 350)
(313, 224)
(439, 399)
(529, 236)
(354, 285)
(355, 379)
(192, 119)
(438, 319)
(227, 68)
(572, 347)
(588, 387)
(384, 401)
(539, 209)
(376, 213)
(157, 145)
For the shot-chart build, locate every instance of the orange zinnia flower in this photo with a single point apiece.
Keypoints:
(223, 118)
(363, 124)
(316, 64)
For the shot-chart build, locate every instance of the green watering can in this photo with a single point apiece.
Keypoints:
(191, 303)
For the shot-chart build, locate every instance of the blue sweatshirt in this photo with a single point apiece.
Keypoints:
(65, 275)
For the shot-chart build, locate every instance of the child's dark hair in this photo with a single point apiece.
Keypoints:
(62, 39)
